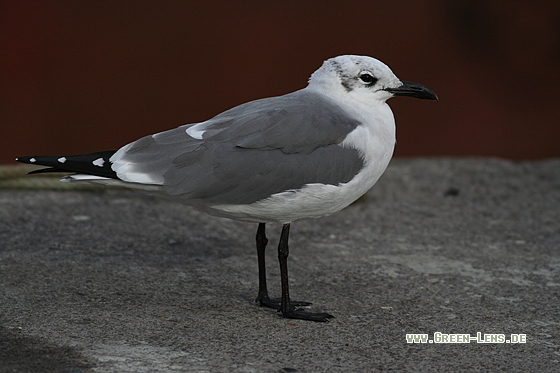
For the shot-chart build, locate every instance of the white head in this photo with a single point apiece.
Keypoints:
(365, 79)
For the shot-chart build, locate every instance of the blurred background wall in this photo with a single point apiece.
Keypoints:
(82, 76)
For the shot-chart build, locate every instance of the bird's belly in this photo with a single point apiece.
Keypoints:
(311, 201)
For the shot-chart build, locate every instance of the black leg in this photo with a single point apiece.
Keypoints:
(287, 308)
(262, 298)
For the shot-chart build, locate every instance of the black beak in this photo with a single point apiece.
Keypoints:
(413, 90)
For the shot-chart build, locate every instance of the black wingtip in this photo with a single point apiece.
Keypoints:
(97, 164)
(26, 159)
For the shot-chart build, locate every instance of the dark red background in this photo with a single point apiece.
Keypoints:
(82, 76)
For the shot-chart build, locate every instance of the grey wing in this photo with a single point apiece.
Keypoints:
(247, 153)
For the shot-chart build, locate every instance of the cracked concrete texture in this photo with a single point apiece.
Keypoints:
(112, 281)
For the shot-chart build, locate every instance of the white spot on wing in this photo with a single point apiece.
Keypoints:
(32, 160)
(99, 162)
(197, 130)
(62, 159)
(130, 172)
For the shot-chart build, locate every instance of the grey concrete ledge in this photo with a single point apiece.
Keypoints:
(112, 281)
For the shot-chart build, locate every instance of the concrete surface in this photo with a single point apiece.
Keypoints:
(113, 281)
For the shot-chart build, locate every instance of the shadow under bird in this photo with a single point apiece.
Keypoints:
(302, 155)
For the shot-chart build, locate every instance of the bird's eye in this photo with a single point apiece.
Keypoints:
(368, 79)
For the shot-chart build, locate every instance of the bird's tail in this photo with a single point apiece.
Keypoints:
(95, 164)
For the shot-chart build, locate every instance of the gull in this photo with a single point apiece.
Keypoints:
(302, 155)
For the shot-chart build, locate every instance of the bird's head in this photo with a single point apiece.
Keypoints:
(364, 78)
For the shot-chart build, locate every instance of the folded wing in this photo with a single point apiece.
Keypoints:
(247, 153)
